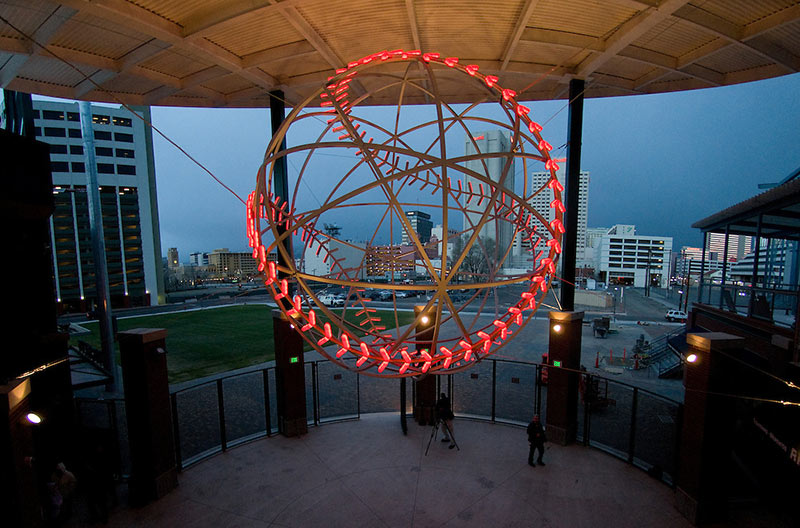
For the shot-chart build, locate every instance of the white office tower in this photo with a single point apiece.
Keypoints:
(497, 169)
(126, 177)
(541, 203)
(738, 246)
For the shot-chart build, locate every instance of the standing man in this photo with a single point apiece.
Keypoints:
(445, 415)
(537, 439)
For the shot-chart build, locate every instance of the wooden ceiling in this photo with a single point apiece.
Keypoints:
(233, 52)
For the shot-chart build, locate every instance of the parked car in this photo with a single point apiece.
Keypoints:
(331, 300)
(676, 315)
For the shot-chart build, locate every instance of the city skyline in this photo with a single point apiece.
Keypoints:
(661, 161)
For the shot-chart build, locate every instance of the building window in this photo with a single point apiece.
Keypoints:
(54, 132)
(36, 114)
(104, 151)
(78, 166)
(58, 149)
(125, 153)
(101, 134)
(122, 121)
(73, 116)
(53, 114)
(59, 166)
(75, 133)
(125, 138)
(76, 149)
(105, 168)
(101, 119)
(126, 169)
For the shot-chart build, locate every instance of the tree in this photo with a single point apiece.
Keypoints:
(480, 260)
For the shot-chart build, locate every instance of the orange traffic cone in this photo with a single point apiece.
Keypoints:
(624, 353)
(597, 360)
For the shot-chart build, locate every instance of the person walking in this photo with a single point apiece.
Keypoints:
(536, 438)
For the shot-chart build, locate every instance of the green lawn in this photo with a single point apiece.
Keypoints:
(205, 342)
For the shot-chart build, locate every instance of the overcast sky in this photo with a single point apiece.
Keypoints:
(661, 162)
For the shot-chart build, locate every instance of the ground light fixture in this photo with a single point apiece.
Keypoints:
(557, 328)
(691, 358)
(33, 418)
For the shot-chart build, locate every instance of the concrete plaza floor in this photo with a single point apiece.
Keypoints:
(367, 473)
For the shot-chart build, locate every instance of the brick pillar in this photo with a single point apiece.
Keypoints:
(290, 376)
(706, 434)
(564, 363)
(147, 406)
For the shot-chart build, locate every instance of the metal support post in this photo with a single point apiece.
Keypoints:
(98, 249)
(280, 179)
(572, 188)
(724, 265)
(702, 269)
(754, 278)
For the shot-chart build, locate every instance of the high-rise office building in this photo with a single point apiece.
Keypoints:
(738, 246)
(126, 178)
(499, 170)
(541, 203)
(421, 224)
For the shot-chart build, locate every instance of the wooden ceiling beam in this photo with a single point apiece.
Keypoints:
(773, 21)
(741, 37)
(42, 37)
(294, 50)
(144, 21)
(516, 35)
(230, 15)
(92, 82)
(665, 63)
(628, 32)
(412, 22)
(315, 39)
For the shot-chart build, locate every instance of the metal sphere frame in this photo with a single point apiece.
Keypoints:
(394, 166)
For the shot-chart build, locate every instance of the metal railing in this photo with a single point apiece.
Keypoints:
(631, 423)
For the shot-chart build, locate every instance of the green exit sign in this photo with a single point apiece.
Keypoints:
(294, 359)
(556, 363)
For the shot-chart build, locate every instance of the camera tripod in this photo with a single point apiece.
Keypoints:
(434, 431)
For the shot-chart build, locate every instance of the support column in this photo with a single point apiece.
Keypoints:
(290, 376)
(702, 269)
(280, 180)
(572, 188)
(425, 388)
(147, 406)
(752, 303)
(706, 435)
(564, 363)
(98, 249)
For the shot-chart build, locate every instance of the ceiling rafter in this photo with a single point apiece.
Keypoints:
(522, 21)
(666, 63)
(740, 36)
(43, 35)
(628, 32)
(412, 22)
(297, 20)
(158, 27)
(295, 50)
(228, 16)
